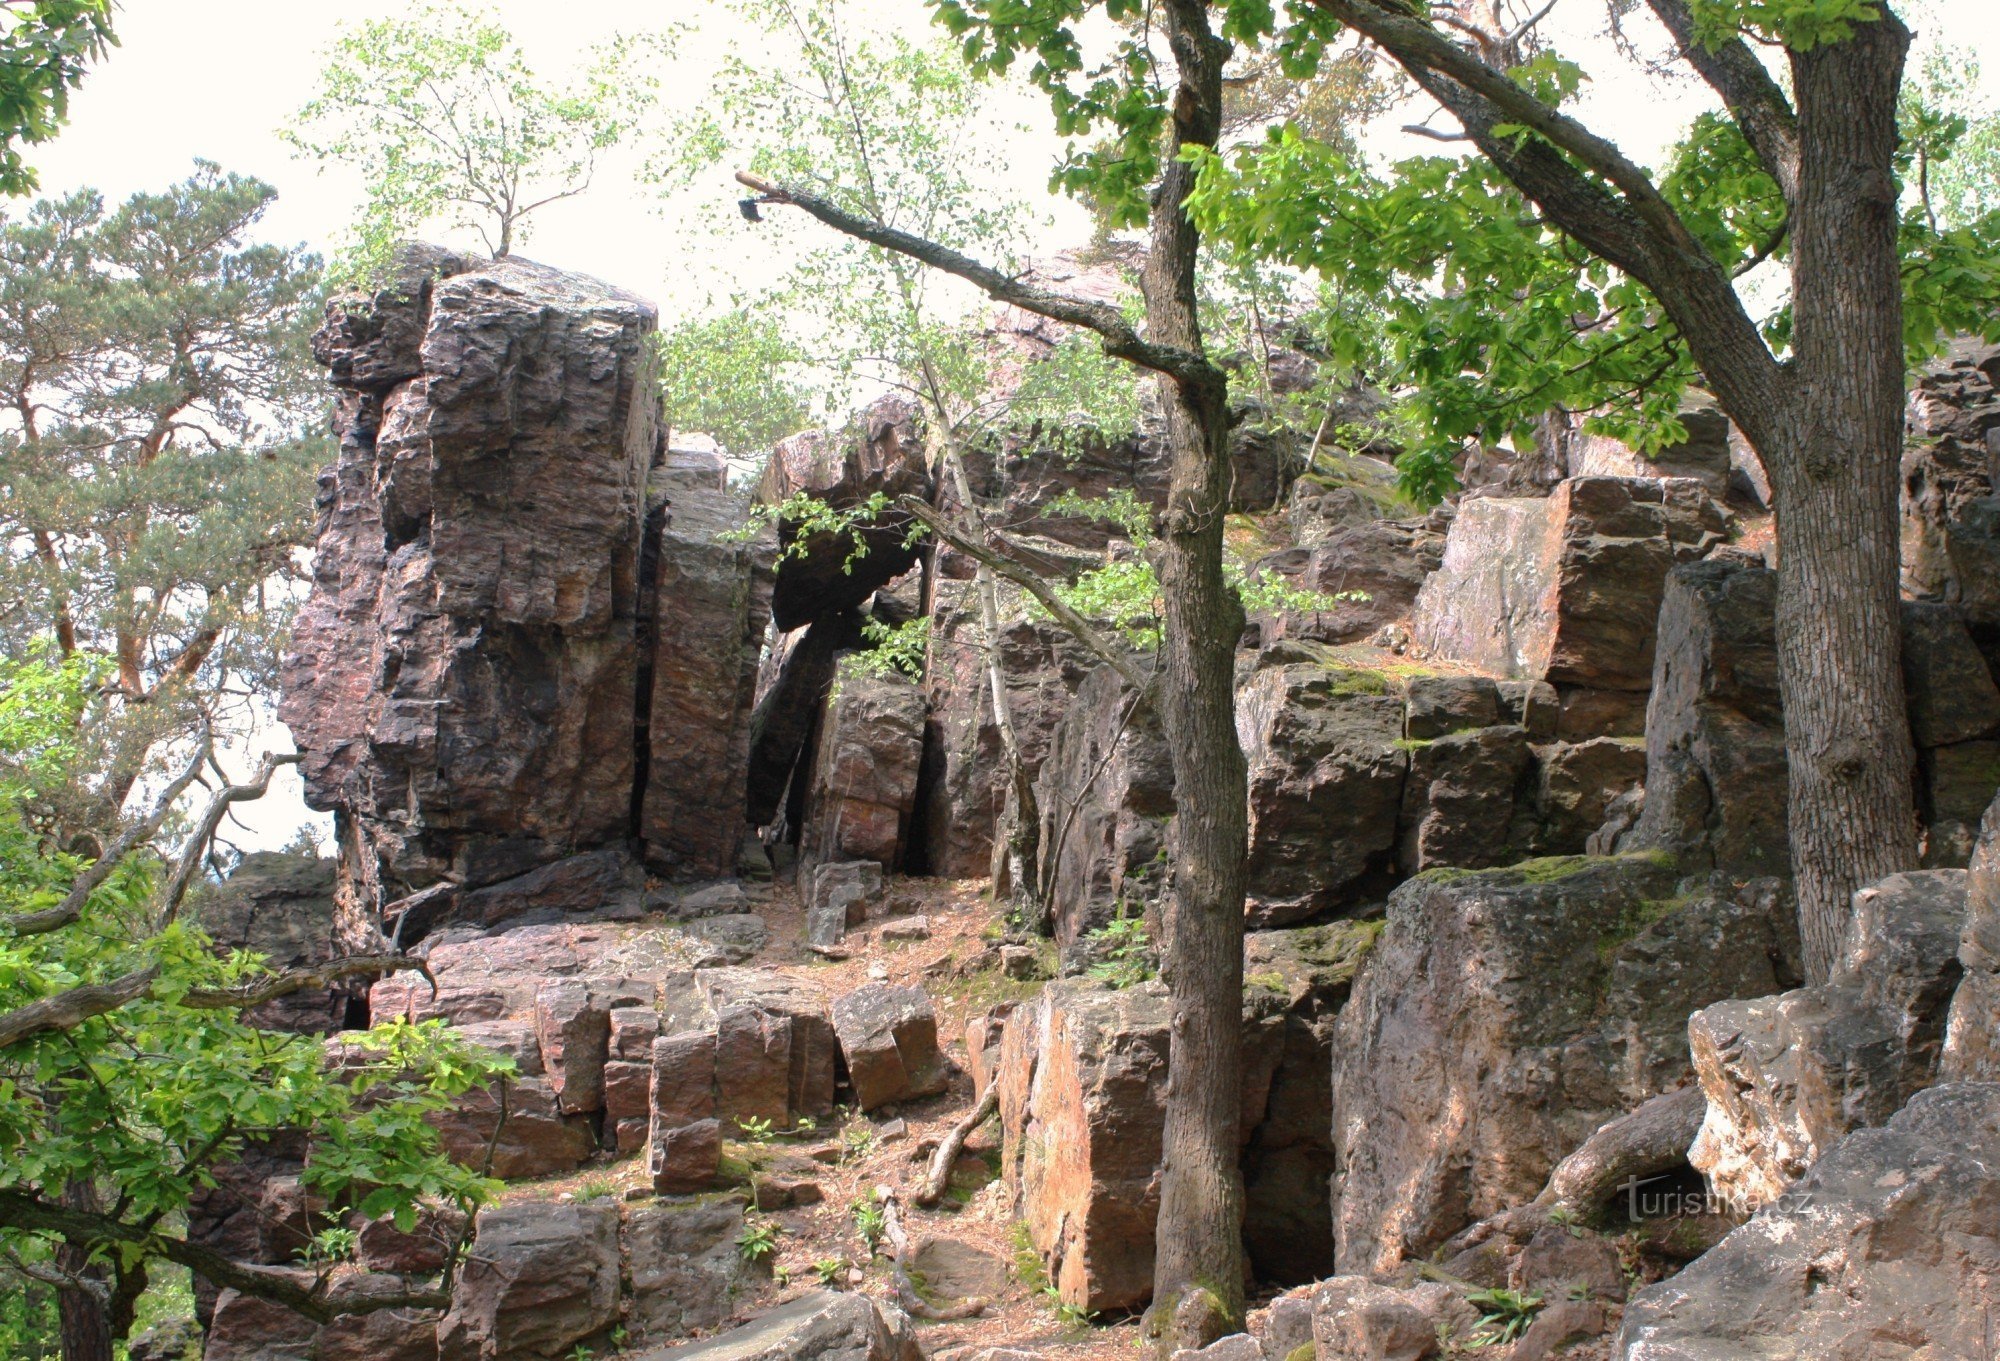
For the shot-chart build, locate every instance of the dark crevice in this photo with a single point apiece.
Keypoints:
(644, 632)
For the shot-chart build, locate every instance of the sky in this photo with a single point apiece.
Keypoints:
(216, 79)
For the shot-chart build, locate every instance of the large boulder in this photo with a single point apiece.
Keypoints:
(699, 654)
(1787, 1076)
(1888, 1246)
(793, 681)
(824, 1325)
(1565, 588)
(1715, 736)
(684, 1266)
(1082, 1075)
(461, 677)
(245, 1328)
(1326, 772)
(1703, 454)
(1369, 569)
(864, 779)
(1972, 1033)
(888, 1037)
(540, 1278)
(1505, 1015)
(825, 571)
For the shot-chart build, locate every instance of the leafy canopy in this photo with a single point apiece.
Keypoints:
(45, 48)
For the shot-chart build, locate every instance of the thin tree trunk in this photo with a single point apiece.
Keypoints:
(1847, 734)
(1019, 828)
(1198, 1270)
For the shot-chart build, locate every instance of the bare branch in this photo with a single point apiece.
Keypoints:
(1119, 338)
(204, 832)
(70, 910)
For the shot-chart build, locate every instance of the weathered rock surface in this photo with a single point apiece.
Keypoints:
(245, 1328)
(1384, 561)
(1503, 1016)
(1106, 793)
(889, 1039)
(1082, 1087)
(280, 906)
(461, 677)
(864, 782)
(700, 649)
(838, 897)
(1888, 1246)
(1972, 1034)
(793, 682)
(1949, 480)
(1786, 1076)
(1326, 784)
(882, 453)
(683, 1265)
(1703, 456)
(539, 1279)
(1354, 1318)
(967, 792)
(1715, 739)
(1565, 588)
(822, 1326)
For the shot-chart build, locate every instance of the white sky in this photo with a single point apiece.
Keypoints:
(217, 78)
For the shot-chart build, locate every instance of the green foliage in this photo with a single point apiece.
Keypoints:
(141, 1103)
(756, 1129)
(1798, 24)
(1125, 951)
(448, 125)
(758, 1241)
(596, 1188)
(735, 377)
(830, 1270)
(870, 1220)
(157, 453)
(898, 649)
(1503, 1315)
(45, 48)
(857, 1140)
(1950, 138)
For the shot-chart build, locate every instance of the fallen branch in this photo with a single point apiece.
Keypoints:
(933, 1189)
(912, 1302)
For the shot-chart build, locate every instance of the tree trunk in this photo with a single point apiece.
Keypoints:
(1835, 479)
(1198, 1271)
(85, 1320)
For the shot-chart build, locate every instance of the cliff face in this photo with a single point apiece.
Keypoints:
(473, 680)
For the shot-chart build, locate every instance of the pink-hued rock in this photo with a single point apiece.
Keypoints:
(864, 781)
(540, 1278)
(461, 677)
(1565, 588)
(712, 597)
(889, 1039)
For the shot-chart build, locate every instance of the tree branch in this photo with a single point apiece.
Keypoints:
(1754, 100)
(1030, 581)
(320, 1298)
(70, 910)
(204, 832)
(1119, 338)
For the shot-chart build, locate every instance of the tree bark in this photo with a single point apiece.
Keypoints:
(1198, 1269)
(84, 1314)
(1835, 481)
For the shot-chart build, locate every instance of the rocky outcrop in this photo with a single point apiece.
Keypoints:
(1082, 1076)
(1888, 1246)
(1715, 736)
(967, 791)
(1565, 588)
(1106, 794)
(1972, 1033)
(461, 677)
(1370, 574)
(539, 1279)
(710, 589)
(281, 907)
(1327, 770)
(889, 1038)
(864, 780)
(1703, 455)
(1787, 1076)
(1949, 482)
(1503, 1016)
(826, 571)
(485, 637)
